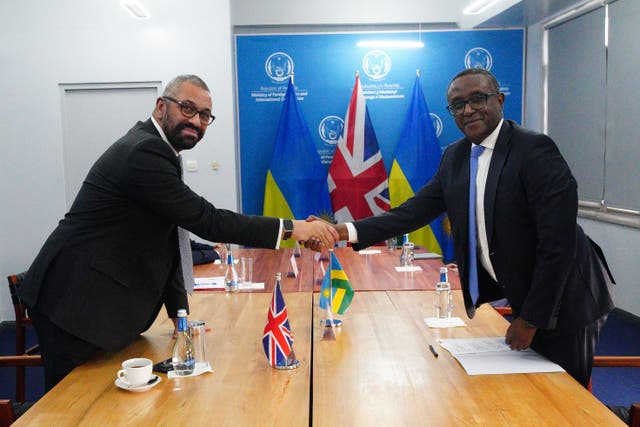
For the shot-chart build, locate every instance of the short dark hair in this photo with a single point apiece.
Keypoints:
(493, 82)
(172, 87)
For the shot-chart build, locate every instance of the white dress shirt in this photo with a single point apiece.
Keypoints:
(484, 161)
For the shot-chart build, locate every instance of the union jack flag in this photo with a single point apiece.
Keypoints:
(357, 178)
(277, 339)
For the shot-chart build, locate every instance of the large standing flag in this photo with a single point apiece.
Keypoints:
(336, 291)
(278, 339)
(416, 162)
(357, 177)
(296, 180)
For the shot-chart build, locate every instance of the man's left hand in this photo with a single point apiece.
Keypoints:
(520, 334)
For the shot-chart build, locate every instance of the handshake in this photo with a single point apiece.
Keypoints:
(318, 234)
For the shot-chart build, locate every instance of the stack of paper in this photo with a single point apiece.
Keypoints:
(492, 356)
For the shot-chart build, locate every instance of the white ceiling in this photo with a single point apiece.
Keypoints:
(433, 13)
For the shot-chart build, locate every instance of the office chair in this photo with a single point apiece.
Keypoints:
(10, 411)
(605, 362)
(633, 413)
(22, 322)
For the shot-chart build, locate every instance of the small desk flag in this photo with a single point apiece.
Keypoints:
(336, 291)
(278, 339)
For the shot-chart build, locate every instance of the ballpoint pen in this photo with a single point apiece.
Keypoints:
(433, 351)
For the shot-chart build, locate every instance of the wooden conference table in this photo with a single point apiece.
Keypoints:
(378, 371)
(365, 272)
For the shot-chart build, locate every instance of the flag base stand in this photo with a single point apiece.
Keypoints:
(336, 322)
(294, 364)
(297, 253)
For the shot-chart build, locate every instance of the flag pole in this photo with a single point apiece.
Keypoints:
(330, 306)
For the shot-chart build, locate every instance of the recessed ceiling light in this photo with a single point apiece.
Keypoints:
(478, 6)
(135, 9)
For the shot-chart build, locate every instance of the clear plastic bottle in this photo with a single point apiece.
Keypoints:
(407, 254)
(183, 354)
(444, 299)
(231, 275)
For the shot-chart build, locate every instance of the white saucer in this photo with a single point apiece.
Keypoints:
(136, 389)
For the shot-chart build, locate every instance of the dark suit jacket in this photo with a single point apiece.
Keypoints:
(546, 266)
(105, 271)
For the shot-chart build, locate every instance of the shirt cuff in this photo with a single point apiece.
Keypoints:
(279, 235)
(353, 233)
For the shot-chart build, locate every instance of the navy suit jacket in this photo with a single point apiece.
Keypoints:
(549, 270)
(113, 261)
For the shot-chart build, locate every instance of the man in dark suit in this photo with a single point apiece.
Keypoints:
(528, 245)
(113, 261)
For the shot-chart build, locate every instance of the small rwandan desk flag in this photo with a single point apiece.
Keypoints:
(336, 291)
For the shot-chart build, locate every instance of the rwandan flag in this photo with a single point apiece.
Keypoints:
(296, 184)
(336, 290)
(416, 162)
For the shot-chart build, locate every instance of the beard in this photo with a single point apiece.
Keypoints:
(177, 139)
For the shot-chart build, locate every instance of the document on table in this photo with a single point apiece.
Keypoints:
(202, 283)
(408, 268)
(482, 356)
(217, 282)
(438, 322)
(426, 255)
(369, 251)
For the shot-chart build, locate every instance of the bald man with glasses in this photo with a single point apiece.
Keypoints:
(104, 273)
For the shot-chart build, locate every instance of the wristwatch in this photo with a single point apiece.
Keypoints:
(287, 224)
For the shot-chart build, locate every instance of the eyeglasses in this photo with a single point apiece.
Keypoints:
(188, 110)
(476, 102)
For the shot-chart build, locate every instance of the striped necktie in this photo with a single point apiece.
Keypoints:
(473, 258)
(186, 257)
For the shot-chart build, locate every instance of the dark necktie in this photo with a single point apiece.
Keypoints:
(473, 259)
(186, 257)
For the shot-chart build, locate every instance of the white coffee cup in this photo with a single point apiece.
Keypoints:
(136, 372)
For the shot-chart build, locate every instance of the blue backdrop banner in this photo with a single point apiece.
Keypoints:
(324, 67)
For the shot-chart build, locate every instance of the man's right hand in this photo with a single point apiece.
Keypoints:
(340, 227)
(315, 235)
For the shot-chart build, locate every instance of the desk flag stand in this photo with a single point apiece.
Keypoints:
(277, 339)
(292, 270)
(336, 294)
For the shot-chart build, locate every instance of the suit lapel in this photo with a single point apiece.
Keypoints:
(498, 160)
(149, 127)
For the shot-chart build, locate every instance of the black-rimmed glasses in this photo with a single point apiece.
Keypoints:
(476, 102)
(188, 110)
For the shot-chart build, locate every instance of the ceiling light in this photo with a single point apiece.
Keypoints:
(478, 6)
(390, 43)
(136, 9)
